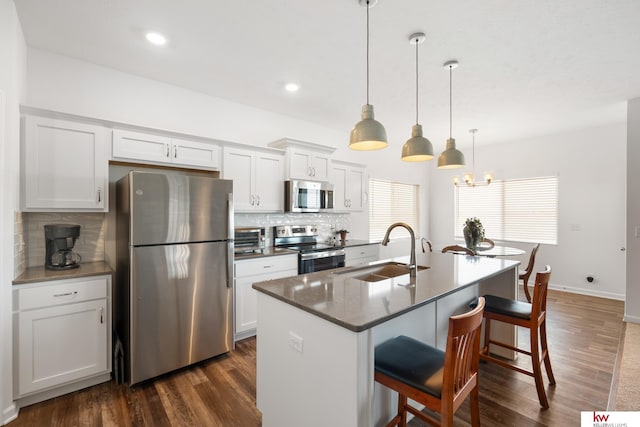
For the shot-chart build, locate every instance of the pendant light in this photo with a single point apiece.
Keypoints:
(451, 158)
(417, 148)
(368, 133)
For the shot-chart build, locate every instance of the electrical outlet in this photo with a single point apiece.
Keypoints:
(295, 342)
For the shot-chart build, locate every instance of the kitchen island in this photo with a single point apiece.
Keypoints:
(317, 332)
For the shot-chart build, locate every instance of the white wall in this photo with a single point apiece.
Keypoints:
(12, 93)
(632, 306)
(68, 85)
(591, 166)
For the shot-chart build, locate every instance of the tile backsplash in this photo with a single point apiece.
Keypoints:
(30, 244)
(90, 244)
(326, 222)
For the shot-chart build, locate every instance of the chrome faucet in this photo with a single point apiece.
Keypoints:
(413, 266)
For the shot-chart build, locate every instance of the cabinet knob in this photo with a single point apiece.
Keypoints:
(167, 150)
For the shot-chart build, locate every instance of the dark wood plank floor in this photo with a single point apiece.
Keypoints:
(583, 339)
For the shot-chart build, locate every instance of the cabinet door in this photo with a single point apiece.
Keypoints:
(238, 165)
(62, 344)
(305, 164)
(356, 188)
(193, 153)
(339, 177)
(247, 273)
(141, 146)
(65, 165)
(320, 167)
(299, 164)
(246, 305)
(269, 182)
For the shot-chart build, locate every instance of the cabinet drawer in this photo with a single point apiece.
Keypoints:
(367, 251)
(266, 265)
(54, 293)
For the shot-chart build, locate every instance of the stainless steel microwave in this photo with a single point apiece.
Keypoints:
(308, 196)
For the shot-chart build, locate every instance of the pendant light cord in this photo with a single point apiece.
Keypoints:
(417, 80)
(367, 52)
(450, 107)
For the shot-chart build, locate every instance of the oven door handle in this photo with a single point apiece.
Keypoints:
(322, 254)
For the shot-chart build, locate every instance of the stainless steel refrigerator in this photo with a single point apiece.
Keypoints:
(174, 271)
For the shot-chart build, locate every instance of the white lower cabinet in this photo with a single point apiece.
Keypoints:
(248, 272)
(359, 255)
(62, 336)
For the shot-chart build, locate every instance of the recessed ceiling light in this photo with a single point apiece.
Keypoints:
(292, 87)
(157, 39)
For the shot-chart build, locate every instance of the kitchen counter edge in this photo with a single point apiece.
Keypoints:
(40, 274)
(267, 252)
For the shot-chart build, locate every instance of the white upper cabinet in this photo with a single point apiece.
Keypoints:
(65, 165)
(305, 164)
(350, 186)
(305, 160)
(163, 149)
(257, 179)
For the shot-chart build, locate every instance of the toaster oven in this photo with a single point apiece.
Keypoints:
(249, 239)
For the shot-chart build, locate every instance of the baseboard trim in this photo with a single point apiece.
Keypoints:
(10, 413)
(582, 291)
(56, 391)
(631, 319)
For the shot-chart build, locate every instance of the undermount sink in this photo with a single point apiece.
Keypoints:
(376, 273)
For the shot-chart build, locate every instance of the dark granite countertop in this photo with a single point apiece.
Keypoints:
(339, 296)
(40, 274)
(268, 251)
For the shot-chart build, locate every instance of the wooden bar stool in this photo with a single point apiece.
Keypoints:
(528, 315)
(440, 380)
(458, 249)
(526, 273)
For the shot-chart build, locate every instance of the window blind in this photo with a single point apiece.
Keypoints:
(391, 202)
(523, 210)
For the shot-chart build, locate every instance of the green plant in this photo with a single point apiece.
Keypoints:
(474, 228)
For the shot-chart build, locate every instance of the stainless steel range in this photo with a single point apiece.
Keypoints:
(313, 256)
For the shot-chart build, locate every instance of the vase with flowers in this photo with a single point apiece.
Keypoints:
(473, 232)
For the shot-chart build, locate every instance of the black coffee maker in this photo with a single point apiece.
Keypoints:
(59, 240)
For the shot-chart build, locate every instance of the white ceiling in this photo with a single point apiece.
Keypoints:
(527, 67)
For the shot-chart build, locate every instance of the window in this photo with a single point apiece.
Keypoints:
(391, 202)
(519, 210)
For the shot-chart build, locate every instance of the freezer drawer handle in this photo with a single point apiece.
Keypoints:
(66, 294)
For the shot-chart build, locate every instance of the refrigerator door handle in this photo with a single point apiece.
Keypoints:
(230, 256)
(231, 235)
(230, 230)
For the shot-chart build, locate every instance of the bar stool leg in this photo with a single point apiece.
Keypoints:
(475, 407)
(487, 336)
(545, 351)
(537, 368)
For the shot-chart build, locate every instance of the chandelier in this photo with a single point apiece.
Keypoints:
(468, 177)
